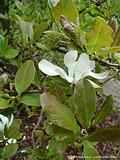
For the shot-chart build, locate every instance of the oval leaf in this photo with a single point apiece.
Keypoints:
(11, 53)
(66, 8)
(10, 150)
(84, 102)
(24, 76)
(105, 135)
(105, 110)
(58, 113)
(100, 36)
(31, 99)
(90, 152)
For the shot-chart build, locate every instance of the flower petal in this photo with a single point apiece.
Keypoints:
(70, 57)
(11, 120)
(54, 2)
(99, 76)
(48, 68)
(63, 74)
(3, 122)
(2, 127)
(82, 67)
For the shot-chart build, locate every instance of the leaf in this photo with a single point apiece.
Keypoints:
(96, 86)
(105, 135)
(84, 101)
(14, 130)
(66, 8)
(31, 99)
(9, 150)
(3, 44)
(115, 7)
(90, 152)
(117, 38)
(26, 28)
(4, 103)
(25, 76)
(4, 100)
(10, 53)
(105, 110)
(99, 37)
(50, 40)
(59, 114)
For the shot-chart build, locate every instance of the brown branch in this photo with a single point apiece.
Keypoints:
(36, 126)
(106, 63)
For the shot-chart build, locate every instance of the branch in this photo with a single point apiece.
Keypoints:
(36, 126)
(106, 63)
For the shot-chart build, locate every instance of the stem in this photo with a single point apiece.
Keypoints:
(36, 126)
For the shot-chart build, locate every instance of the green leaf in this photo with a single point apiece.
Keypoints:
(3, 44)
(10, 53)
(105, 110)
(26, 28)
(90, 152)
(96, 86)
(4, 103)
(100, 36)
(14, 130)
(9, 150)
(25, 76)
(31, 99)
(66, 8)
(59, 114)
(115, 6)
(105, 135)
(84, 101)
(50, 40)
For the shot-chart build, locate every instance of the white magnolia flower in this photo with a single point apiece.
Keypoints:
(11, 141)
(54, 2)
(78, 68)
(5, 122)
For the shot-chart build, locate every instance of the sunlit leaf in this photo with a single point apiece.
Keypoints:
(100, 36)
(66, 8)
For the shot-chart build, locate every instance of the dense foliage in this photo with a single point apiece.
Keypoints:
(55, 58)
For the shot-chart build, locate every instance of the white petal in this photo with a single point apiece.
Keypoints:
(82, 67)
(99, 76)
(2, 126)
(11, 141)
(54, 2)
(70, 57)
(48, 68)
(71, 69)
(3, 122)
(63, 74)
(11, 120)
(84, 61)
(4, 119)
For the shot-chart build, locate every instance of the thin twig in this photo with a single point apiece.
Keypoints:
(36, 126)
(106, 63)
